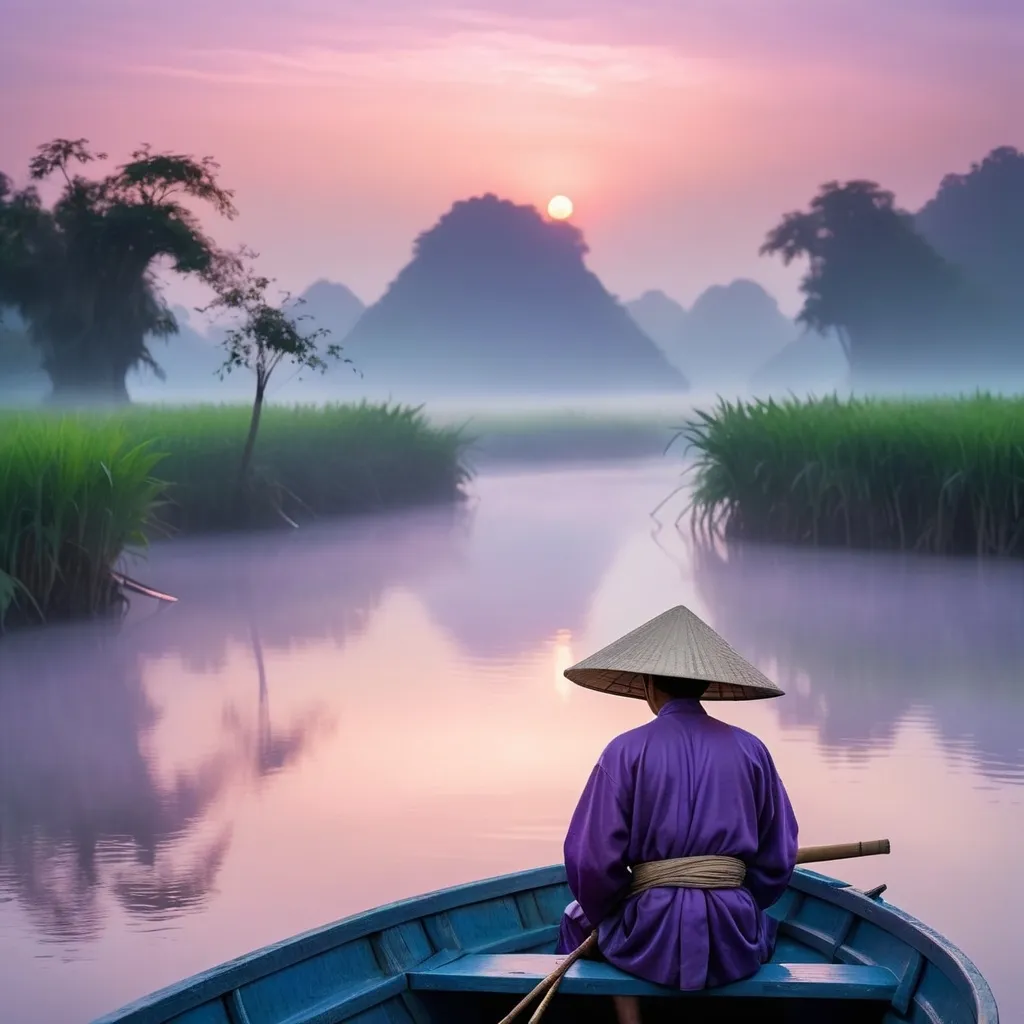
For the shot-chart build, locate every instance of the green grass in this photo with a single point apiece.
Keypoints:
(309, 461)
(77, 489)
(943, 476)
(73, 495)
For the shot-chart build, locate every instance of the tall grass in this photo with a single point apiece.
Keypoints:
(308, 461)
(74, 493)
(76, 490)
(943, 476)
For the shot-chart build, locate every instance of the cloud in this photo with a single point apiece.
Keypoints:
(473, 52)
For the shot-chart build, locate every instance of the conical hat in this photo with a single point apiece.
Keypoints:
(676, 644)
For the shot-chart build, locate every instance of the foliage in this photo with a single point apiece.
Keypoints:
(74, 494)
(871, 276)
(942, 476)
(81, 274)
(976, 220)
(263, 336)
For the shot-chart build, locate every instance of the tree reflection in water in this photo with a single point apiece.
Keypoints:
(83, 809)
(861, 642)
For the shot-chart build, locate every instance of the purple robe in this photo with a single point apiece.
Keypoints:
(683, 785)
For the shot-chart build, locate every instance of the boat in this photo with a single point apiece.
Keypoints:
(468, 954)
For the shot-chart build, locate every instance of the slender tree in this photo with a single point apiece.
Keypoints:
(262, 337)
(82, 273)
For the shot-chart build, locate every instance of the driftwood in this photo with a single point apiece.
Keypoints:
(127, 583)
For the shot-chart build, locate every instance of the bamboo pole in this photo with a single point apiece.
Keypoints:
(841, 851)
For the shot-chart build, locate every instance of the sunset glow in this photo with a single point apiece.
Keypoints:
(346, 130)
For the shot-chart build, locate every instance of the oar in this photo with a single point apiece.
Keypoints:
(804, 855)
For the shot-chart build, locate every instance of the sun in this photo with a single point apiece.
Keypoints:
(560, 207)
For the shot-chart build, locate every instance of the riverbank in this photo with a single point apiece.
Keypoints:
(77, 490)
(944, 476)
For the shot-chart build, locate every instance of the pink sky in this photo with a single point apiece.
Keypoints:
(682, 129)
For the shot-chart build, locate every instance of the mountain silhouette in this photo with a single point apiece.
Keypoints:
(332, 306)
(730, 331)
(192, 358)
(812, 363)
(498, 298)
(662, 319)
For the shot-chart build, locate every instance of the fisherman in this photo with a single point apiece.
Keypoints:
(681, 804)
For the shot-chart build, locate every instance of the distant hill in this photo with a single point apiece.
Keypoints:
(731, 330)
(728, 334)
(330, 305)
(662, 319)
(192, 358)
(810, 364)
(497, 298)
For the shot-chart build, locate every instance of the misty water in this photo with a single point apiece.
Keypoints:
(357, 712)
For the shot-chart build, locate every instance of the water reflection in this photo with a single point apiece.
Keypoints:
(537, 556)
(77, 794)
(320, 583)
(86, 807)
(862, 644)
(353, 713)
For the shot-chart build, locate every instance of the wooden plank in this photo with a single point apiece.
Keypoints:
(351, 1003)
(518, 973)
(819, 924)
(209, 1013)
(908, 983)
(936, 949)
(325, 980)
(521, 941)
(236, 1009)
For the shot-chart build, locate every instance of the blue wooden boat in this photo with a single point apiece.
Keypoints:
(467, 955)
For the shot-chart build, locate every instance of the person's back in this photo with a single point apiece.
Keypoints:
(684, 785)
(684, 834)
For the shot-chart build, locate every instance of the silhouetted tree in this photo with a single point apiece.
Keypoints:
(889, 296)
(81, 273)
(976, 220)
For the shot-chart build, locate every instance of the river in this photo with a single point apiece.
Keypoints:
(357, 712)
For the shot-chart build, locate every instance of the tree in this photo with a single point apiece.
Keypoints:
(82, 274)
(872, 277)
(264, 335)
